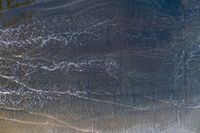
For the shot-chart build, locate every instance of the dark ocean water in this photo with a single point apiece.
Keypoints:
(99, 66)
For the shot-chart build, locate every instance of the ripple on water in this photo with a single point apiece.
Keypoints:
(103, 66)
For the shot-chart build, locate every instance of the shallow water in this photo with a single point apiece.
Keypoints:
(99, 66)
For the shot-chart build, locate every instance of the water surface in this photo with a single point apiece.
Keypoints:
(99, 66)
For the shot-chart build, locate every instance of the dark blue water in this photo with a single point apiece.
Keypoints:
(102, 66)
